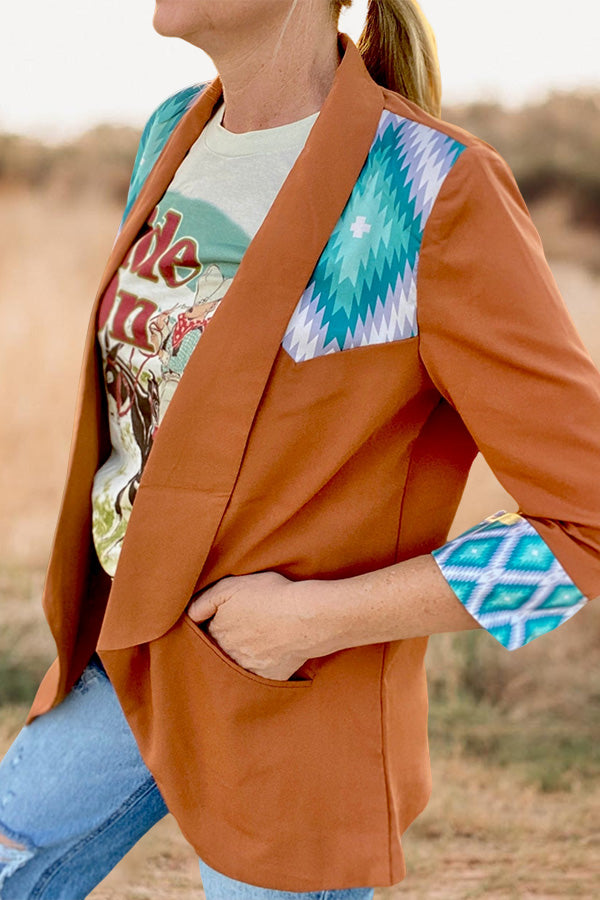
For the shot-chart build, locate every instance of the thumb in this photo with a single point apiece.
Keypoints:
(203, 606)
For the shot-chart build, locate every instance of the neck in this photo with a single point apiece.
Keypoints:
(279, 76)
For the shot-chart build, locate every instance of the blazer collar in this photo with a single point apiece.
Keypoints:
(351, 89)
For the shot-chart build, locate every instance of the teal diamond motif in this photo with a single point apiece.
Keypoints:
(475, 553)
(531, 554)
(536, 627)
(564, 595)
(507, 597)
(463, 589)
(502, 633)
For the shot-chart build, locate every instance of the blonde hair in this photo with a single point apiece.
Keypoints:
(399, 49)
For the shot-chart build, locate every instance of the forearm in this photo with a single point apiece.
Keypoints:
(405, 600)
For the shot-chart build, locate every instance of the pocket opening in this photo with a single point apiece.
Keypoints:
(201, 632)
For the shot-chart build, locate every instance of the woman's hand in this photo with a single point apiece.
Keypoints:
(264, 622)
(271, 626)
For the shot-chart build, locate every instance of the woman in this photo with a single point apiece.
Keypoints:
(248, 562)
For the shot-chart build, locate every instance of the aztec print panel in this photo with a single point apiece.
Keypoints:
(363, 290)
(507, 577)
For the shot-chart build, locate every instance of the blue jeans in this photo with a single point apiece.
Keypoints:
(75, 796)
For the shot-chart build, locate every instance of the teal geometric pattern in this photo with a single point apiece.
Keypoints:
(155, 135)
(507, 577)
(363, 290)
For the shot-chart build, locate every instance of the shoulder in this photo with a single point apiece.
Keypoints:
(442, 160)
(156, 133)
(165, 117)
(172, 109)
(398, 107)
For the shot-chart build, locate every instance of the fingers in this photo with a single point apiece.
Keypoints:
(208, 601)
(203, 607)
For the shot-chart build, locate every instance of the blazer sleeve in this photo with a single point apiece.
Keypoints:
(500, 346)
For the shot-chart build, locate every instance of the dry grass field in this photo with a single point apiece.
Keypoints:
(515, 737)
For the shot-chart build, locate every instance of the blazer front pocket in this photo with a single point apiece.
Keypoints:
(210, 644)
(263, 766)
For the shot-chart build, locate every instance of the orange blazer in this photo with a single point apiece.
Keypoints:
(326, 453)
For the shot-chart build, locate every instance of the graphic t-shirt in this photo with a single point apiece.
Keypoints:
(166, 291)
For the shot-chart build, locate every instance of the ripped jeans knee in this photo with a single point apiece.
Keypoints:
(13, 854)
(75, 796)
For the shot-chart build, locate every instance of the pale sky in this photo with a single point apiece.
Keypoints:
(68, 64)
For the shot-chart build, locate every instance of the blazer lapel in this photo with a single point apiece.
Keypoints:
(67, 584)
(198, 451)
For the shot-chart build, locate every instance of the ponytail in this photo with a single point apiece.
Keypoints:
(398, 48)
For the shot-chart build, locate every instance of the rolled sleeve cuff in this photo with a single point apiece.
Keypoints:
(509, 580)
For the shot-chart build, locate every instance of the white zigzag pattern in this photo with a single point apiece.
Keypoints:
(428, 162)
(496, 574)
(427, 166)
(305, 337)
(393, 320)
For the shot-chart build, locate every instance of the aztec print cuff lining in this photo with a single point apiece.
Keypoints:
(507, 577)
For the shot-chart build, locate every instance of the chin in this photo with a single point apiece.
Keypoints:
(197, 20)
(163, 24)
(170, 18)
